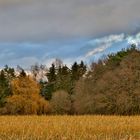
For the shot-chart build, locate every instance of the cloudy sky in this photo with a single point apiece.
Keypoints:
(41, 30)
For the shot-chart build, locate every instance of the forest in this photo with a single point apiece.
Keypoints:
(110, 86)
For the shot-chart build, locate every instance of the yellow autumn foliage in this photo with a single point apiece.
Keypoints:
(24, 86)
(26, 99)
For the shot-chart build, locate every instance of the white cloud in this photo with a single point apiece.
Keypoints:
(103, 43)
(134, 39)
(27, 54)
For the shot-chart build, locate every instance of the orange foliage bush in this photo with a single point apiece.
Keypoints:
(26, 99)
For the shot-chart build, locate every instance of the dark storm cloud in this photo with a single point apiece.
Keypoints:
(41, 30)
(43, 20)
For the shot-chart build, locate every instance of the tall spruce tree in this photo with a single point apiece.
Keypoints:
(51, 74)
(6, 75)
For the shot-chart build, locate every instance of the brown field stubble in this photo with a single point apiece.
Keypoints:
(69, 128)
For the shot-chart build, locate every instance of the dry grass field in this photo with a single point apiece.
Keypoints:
(69, 128)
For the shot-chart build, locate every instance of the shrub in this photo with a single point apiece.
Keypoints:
(61, 103)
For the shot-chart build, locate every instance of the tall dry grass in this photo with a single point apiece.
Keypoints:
(69, 128)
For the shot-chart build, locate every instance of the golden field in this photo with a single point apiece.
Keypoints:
(69, 128)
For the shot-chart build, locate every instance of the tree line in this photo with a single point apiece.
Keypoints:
(110, 86)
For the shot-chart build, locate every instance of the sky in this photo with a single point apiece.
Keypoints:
(38, 31)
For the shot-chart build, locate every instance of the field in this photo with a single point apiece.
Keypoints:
(69, 128)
